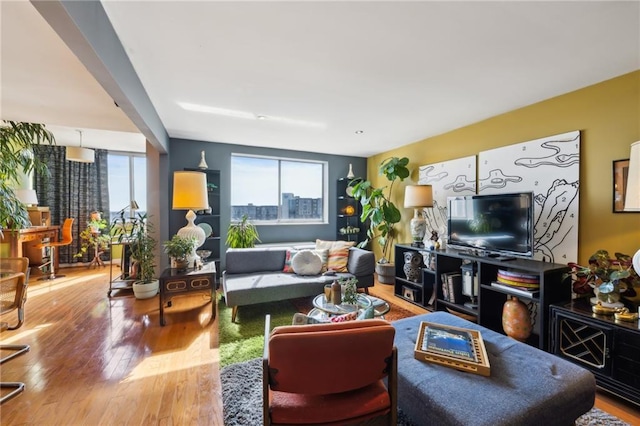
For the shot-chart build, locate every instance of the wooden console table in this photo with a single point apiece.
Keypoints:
(174, 283)
(31, 236)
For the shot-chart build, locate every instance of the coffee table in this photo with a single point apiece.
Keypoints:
(324, 309)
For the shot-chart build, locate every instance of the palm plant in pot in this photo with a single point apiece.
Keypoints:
(243, 234)
(143, 247)
(178, 248)
(381, 213)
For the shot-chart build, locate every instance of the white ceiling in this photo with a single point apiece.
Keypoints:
(319, 71)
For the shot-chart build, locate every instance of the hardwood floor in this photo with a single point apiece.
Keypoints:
(96, 360)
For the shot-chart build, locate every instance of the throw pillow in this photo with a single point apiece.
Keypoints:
(338, 253)
(287, 260)
(306, 262)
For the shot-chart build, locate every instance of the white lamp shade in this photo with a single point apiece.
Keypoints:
(190, 191)
(80, 154)
(418, 196)
(632, 199)
(27, 196)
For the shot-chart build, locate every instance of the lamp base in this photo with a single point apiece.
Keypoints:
(191, 230)
(418, 230)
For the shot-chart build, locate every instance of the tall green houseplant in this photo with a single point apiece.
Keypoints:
(17, 140)
(377, 207)
(243, 234)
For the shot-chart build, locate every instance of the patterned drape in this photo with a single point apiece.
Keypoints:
(72, 190)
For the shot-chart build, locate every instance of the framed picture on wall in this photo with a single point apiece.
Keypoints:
(620, 176)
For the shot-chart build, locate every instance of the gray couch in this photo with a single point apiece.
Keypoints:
(255, 275)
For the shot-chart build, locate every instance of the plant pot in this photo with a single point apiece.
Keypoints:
(145, 290)
(179, 264)
(386, 273)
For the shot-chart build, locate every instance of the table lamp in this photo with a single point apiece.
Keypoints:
(418, 197)
(190, 193)
(632, 199)
(27, 196)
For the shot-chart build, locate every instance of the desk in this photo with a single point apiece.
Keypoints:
(174, 282)
(31, 236)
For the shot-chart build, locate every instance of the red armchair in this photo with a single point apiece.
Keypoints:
(330, 374)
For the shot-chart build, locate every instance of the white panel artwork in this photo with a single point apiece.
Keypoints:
(448, 178)
(549, 167)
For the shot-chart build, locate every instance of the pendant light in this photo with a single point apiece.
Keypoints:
(80, 154)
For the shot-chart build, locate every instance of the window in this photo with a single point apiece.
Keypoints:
(127, 181)
(278, 190)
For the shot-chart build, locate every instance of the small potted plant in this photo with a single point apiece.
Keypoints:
(349, 290)
(178, 248)
(94, 237)
(607, 277)
(243, 234)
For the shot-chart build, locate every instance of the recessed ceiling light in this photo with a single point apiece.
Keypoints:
(359, 132)
(261, 117)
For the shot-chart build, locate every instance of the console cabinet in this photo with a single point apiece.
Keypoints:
(608, 348)
(428, 291)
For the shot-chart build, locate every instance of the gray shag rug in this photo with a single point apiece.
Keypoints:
(242, 399)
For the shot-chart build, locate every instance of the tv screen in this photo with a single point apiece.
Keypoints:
(499, 224)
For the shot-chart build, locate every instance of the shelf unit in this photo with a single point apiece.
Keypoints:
(348, 212)
(606, 347)
(428, 293)
(123, 279)
(212, 218)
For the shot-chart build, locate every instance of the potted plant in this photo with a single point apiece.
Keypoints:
(243, 234)
(382, 214)
(178, 248)
(16, 156)
(606, 277)
(142, 254)
(93, 236)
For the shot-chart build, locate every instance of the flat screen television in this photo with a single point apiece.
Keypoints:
(496, 225)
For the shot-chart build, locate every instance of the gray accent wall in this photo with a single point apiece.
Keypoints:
(186, 154)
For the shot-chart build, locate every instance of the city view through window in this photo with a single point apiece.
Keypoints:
(273, 189)
(127, 181)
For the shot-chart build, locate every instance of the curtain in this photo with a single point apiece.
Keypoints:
(72, 190)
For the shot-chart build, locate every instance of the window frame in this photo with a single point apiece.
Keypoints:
(280, 221)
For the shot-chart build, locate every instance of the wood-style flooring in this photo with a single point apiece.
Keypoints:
(98, 360)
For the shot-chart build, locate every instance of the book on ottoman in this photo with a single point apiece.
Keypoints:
(454, 347)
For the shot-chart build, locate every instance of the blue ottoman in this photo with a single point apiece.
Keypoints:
(527, 386)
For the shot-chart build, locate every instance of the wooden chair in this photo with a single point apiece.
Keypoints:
(67, 238)
(330, 374)
(14, 279)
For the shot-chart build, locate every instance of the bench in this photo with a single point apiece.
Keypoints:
(527, 386)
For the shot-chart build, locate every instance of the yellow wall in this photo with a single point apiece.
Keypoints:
(608, 117)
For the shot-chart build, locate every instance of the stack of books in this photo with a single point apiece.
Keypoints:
(522, 284)
(452, 287)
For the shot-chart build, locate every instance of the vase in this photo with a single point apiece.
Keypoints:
(516, 320)
(350, 175)
(203, 163)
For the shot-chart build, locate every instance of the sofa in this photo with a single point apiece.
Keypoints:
(257, 275)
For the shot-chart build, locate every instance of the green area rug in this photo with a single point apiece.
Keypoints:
(244, 339)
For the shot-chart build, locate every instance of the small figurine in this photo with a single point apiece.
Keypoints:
(436, 240)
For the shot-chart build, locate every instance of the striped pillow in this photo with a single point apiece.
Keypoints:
(338, 253)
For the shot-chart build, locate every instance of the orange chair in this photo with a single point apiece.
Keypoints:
(14, 279)
(67, 238)
(330, 374)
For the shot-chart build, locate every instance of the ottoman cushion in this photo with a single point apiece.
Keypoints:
(527, 386)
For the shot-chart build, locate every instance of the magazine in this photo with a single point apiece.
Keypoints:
(450, 342)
